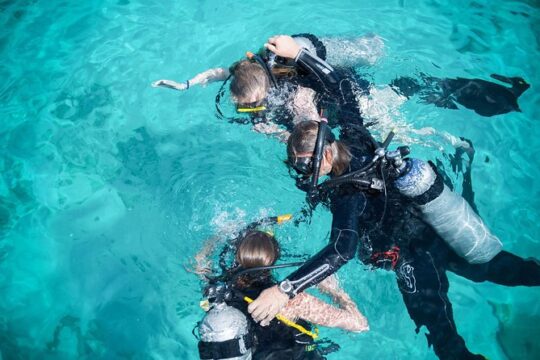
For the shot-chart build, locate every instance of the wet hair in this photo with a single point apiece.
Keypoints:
(249, 81)
(256, 248)
(303, 139)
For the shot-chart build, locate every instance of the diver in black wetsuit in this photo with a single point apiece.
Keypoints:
(228, 331)
(279, 91)
(295, 72)
(394, 226)
(309, 82)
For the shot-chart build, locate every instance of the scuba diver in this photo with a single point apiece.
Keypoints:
(227, 330)
(396, 213)
(295, 69)
(282, 84)
(288, 81)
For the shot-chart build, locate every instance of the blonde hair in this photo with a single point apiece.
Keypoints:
(303, 139)
(249, 81)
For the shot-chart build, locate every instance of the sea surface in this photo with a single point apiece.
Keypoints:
(109, 187)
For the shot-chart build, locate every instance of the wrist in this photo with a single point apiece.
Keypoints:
(286, 288)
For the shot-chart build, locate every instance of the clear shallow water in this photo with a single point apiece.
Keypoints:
(109, 186)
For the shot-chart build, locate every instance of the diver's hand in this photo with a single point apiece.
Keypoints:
(171, 84)
(269, 303)
(283, 45)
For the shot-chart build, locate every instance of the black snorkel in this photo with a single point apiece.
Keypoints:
(324, 134)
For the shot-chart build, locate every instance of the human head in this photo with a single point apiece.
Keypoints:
(256, 249)
(249, 84)
(301, 144)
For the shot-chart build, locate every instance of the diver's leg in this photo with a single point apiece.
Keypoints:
(505, 269)
(346, 52)
(424, 287)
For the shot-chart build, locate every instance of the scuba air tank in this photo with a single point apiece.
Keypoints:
(224, 333)
(448, 213)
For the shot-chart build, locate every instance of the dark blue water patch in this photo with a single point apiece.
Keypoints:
(139, 157)
(78, 104)
(22, 141)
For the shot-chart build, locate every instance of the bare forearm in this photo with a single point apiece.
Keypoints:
(345, 303)
(316, 311)
(203, 262)
(208, 76)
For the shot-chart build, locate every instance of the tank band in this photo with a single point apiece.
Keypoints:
(226, 349)
(434, 191)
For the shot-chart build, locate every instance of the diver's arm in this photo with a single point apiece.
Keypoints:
(203, 263)
(345, 316)
(285, 46)
(208, 76)
(317, 66)
(342, 248)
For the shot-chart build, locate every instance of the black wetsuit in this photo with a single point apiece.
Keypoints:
(336, 91)
(276, 341)
(389, 233)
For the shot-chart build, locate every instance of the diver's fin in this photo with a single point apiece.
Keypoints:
(502, 78)
(519, 85)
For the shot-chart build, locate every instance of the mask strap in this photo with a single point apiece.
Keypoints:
(264, 65)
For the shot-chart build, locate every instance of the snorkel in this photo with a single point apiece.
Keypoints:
(371, 177)
(309, 167)
(323, 134)
(253, 108)
(257, 107)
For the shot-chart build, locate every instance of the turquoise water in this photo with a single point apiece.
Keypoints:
(109, 187)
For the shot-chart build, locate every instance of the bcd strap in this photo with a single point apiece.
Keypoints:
(226, 349)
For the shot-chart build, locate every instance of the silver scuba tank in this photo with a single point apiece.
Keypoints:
(224, 334)
(448, 213)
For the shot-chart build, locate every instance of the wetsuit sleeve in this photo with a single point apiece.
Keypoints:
(342, 247)
(320, 68)
(341, 85)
